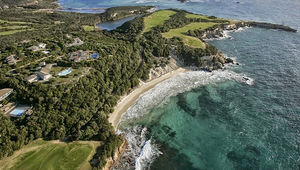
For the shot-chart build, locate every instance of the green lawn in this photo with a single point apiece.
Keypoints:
(188, 40)
(157, 18)
(42, 155)
(188, 15)
(74, 75)
(88, 28)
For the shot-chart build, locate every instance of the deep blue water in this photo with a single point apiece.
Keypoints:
(228, 124)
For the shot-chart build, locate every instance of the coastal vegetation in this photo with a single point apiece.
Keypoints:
(29, 4)
(76, 107)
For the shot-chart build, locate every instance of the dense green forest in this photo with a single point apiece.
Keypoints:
(29, 4)
(80, 110)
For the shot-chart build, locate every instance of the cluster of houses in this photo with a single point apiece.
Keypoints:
(13, 59)
(42, 74)
(10, 108)
(80, 55)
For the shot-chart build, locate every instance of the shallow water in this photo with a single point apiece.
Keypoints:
(228, 124)
(215, 120)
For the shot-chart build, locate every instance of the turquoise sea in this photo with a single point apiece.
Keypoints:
(216, 120)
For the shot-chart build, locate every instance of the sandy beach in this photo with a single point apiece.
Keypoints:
(128, 100)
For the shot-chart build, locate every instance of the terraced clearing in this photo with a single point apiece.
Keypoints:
(188, 40)
(12, 27)
(157, 18)
(46, 155)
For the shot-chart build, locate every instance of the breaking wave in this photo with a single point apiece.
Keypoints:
(181, 83)
(142, 150)
(226, 34)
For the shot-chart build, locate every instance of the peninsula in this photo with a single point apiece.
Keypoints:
(66, 76)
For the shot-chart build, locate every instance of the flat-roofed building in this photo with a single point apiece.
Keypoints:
(42, 74)
(4, 93)
(32, 78)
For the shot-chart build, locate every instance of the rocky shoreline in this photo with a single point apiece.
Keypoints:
(110, 162)
(211, 63)
(219, 31)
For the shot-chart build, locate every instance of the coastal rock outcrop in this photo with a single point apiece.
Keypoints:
(110, 162)
(219, 31)
(159, 71)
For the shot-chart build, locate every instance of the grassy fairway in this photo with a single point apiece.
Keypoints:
(157, 18)
(188, 40)
(42, 155)
(88, 28)
(188, 15)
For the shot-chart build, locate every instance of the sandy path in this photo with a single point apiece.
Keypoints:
(131, 98)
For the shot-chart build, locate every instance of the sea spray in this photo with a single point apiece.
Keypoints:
(148, 153)
(226, 34)
(140, 151)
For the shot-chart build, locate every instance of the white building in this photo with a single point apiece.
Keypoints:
(32, 78)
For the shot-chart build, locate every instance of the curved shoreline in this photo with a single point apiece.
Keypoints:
(129, 99)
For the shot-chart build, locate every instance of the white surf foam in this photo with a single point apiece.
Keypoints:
(148, 152)
(226, 34)
(183, 82)
(140, 152)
